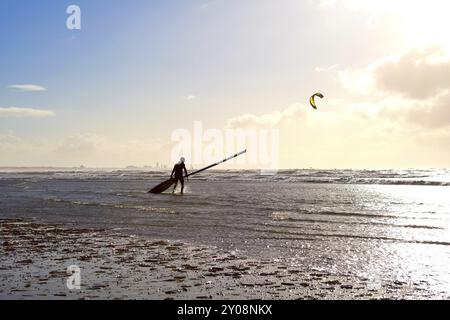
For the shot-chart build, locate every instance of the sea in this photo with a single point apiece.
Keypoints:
(377, 224)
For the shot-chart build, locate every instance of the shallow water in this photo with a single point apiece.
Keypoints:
(377, 224)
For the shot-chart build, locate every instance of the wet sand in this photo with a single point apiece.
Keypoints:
(34, 259)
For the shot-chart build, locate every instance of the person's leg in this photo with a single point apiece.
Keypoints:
(175, 187)
(182, 185)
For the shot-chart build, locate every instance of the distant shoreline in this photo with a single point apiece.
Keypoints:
(80, 169)
(226, 169)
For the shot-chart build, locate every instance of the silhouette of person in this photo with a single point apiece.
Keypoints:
(177, 174)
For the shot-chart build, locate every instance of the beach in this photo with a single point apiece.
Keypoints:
(252, 238)
(35, 258)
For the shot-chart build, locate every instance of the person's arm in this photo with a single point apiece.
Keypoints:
(185, 171)
(173, 171)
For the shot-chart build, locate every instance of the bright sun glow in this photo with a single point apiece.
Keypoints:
(421, 22)
(426, 22)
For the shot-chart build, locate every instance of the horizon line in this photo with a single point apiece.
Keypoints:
(146, 167)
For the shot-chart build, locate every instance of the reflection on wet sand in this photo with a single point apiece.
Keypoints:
(34, 259)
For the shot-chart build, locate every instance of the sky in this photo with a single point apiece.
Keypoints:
(113, 93)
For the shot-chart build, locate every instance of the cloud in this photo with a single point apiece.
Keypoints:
(25, 112)
(8, 139)
(358, 81)
(403, 113)
(98, 150)
(21, 151)
(376, 132)
(89, 149)
(411, 89)
(431, 114)
(191, 97)
(417, 74)
(81, 143)
(27, 87)
(267, 120)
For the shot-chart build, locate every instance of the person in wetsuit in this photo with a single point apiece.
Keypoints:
(177, 174)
